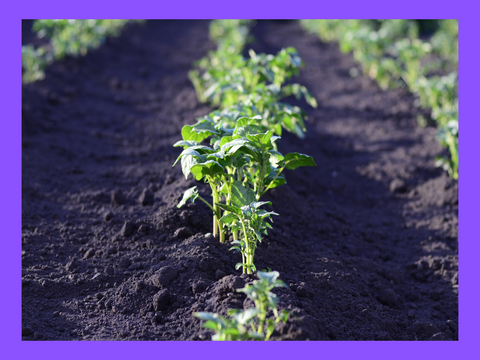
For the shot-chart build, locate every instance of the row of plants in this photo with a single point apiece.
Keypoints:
(241, 161)
(392, 53)
(234, 149)
(65, 37)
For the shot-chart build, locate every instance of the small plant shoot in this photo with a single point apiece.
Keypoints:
(256, 323)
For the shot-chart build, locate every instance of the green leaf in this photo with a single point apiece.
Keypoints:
(233, 311)
(232, 209)
(244, 317)
(229, 218)
(309, 98)
(269, 277)
(232, 331)
(191, 193)
(276, 157)
(225, 139)
(211, 90)
(274, 138)
(294, 160)
(271, 297)
(236, 228)
(187, 163)
(299, 131)
(278, 129)
(218, 155)
(261, 139)
(284, 315)
(257, 204)
(246, 148)
(212, 325)
(280, 180)
(256, 335)
(241, 195)
(202, 149)
(288, 123)
(186, 143)
(205, 126)
(247, 290)
(234, 143)
(189, 133)
(247, 211)
(262, 214)
(209, 168)
(248, 129)
(238, 266)
(185, 152)
(206, 316)
(243, 121)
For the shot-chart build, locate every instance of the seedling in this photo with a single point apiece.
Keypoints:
(252, 324)
(240, 165)
(250, 220)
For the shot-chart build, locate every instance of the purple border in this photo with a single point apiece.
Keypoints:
(10, 210)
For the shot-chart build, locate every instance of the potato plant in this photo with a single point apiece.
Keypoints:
(251, 222)
(240, 165)
(256, 323)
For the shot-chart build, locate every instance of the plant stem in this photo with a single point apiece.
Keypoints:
(262, 321)
(229, 195)
(229, 198)
(243, 262)
(221, 228)
(210, 206)
(218, 215)
(215, 221)
(261, 177)
(247, 248)
(214, 225)
(216, 211)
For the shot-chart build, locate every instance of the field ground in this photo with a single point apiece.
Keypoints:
(366, 241)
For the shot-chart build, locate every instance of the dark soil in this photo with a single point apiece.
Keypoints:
(366, 241)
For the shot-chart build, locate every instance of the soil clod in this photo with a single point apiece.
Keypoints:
(146, 197)
(118, 198)
(127, 229)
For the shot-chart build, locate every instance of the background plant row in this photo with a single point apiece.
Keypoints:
(393, 53)
(65, 37)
